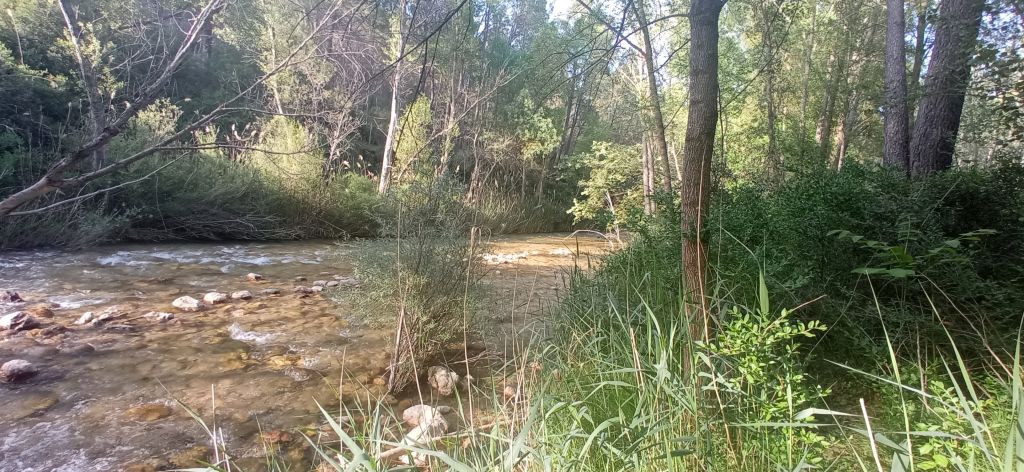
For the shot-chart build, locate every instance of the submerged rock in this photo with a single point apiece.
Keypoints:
(8, 296)
(241, 295)
(214, 298)
(188, 303)
(29, 404)
(319, 283)
(18, 321)
(253, 277)
(160, 316)
(85, 318)
(270, 291)
(304, 289)
(442, 379)
(40, 311)
(17, 370)
(148, 412)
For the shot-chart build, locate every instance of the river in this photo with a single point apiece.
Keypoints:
(107, 396)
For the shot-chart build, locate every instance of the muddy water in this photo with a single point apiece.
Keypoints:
(107, 395)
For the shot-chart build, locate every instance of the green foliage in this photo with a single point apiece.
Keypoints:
(610, 189)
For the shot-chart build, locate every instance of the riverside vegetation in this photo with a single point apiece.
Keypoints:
(818, 266)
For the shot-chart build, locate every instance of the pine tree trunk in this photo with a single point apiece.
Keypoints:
(897, 121)
(949, 73)
(697, 156)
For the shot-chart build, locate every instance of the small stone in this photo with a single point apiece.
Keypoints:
(333, 283)
(511, 392)
(188, 303)
(317, 288)
(8, 296)
(85, 318)
(420, 414)
(442, 379)
(17, 370)
(303, 289)
(270, 291)
(319, 283)
(18, 321)
(214, 298)
(277, 437)
(241, 295)
(253, 277)
(160, 316)
(148, 412)
(300, 279)
(379, 381)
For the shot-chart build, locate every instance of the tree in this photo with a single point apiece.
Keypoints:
(657, 119)
(697, 153)
(945, 86)
(396, 82)
(897, 120)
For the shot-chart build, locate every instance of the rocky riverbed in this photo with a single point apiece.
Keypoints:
(101, 348)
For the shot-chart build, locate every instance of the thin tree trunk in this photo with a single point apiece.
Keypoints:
(97, 109)
(949, 74)
(805, 93)
(897, 121)
(702, 120)
(657, 127)
(388, 160)
(914, 84)
(648, 178)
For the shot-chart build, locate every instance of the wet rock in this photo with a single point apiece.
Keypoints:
(298, 374)
(214, 298)
(276, 437)
(188, 303)
(303, 289)
(300, 279)
(120, 327)
(442, 379)
(196, 456)
(333, 283)
(283, 361)
(39, 311)
(253, 277)
(18, 321)
(241, 295)
(422, 414)
(148, 412)
(238, 312)
(319, 283)
(430, 425)
(270, 291)
(85, 318)
(317, 288)
(160, 316)
(28, 404)
(17, 370)
(47, 333)
(76, 349)
(8, 296)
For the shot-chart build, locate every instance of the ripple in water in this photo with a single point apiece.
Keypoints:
(239, 334)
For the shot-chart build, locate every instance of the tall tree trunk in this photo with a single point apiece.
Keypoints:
(657, 127)
(897, 121)
(97, 107)
(388, 160)
(702, 120)
(826, 120)
(914, 84)
(648, 177)
(805, 93)
(949, 73)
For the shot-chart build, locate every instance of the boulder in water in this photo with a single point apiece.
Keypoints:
(8, 296)
(303, 289)
(253, 277)
(241, 295)
(40, 311)
(442, 379)
(18, 321)
(85, 318)
(188, 303)
(214, 298)
(17, 370)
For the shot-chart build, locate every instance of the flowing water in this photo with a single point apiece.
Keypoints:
(107, 395)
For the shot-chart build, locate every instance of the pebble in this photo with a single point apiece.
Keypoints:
(253, 277)
(214, 298)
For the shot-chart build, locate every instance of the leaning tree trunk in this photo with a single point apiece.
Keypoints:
(656, 117)
(945, 84)
(897, 121)
(388, 160)
(697, 153)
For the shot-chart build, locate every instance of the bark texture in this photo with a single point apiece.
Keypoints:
(945, 84)
(697, 154)
(897, 119)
